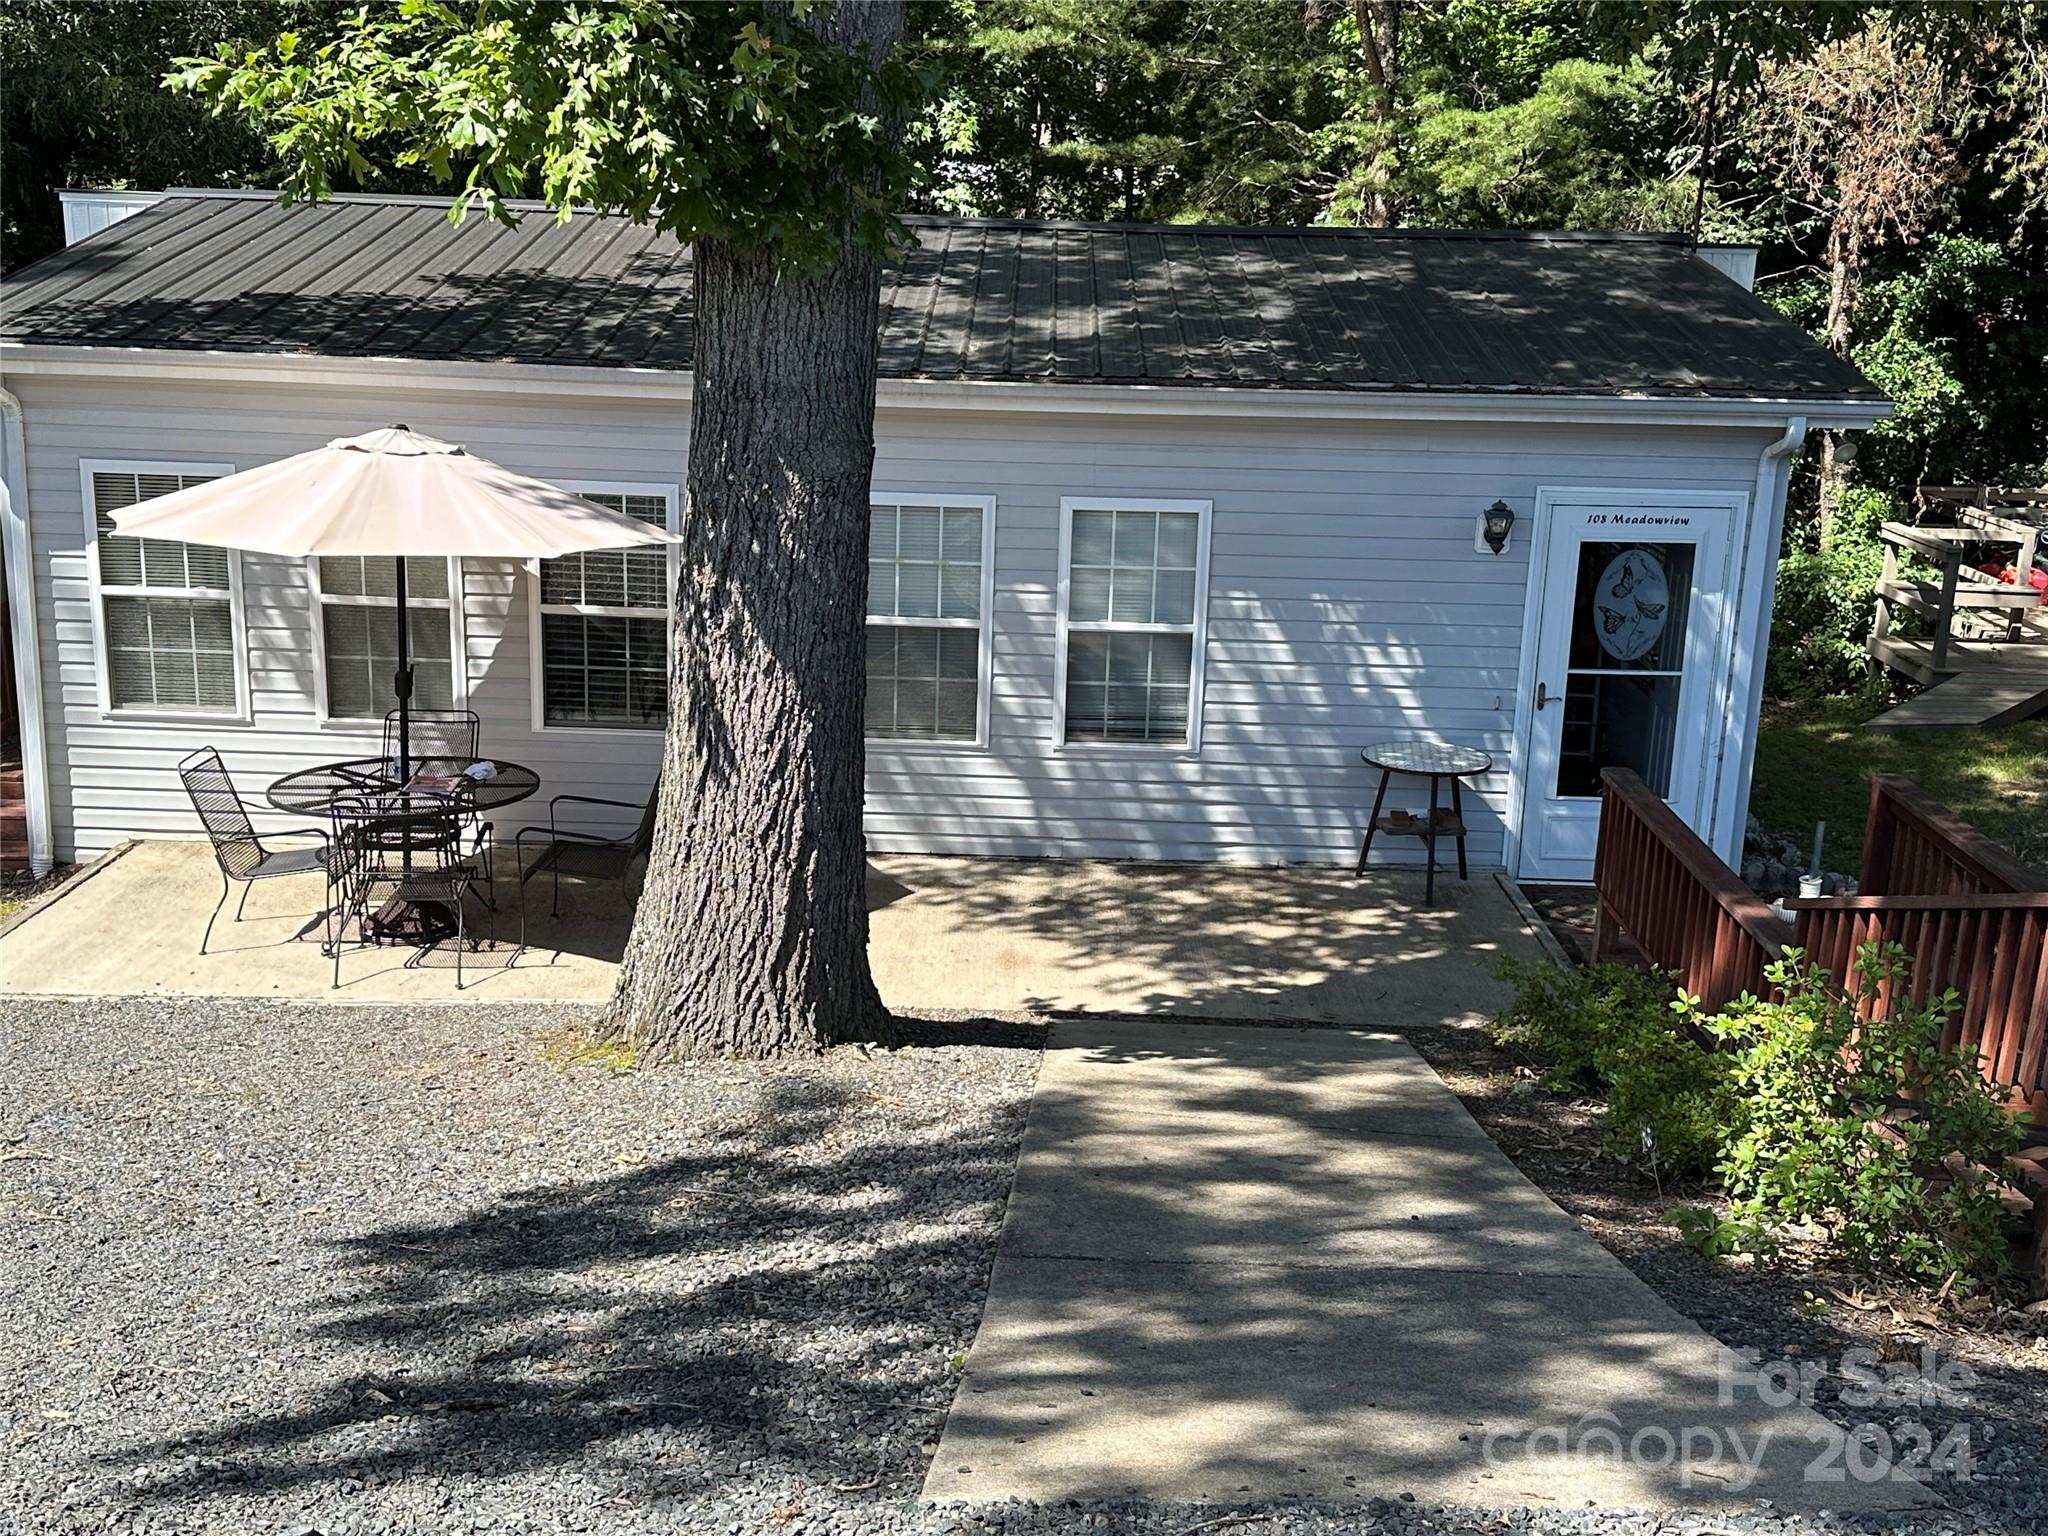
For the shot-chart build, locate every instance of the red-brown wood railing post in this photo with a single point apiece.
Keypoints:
(1670, 893)
(1880, 827)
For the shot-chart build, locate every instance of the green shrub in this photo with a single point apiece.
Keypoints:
(1864, 1126)
(1715, 1235)
(1612, 1029)
(1826, 603)
(1806, 1112)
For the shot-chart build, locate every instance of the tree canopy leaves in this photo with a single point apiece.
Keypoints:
(731, 120)
(717, 121)
(84, 106)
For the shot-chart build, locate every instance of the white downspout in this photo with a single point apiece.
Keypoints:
(18, 547)
(1758, 573)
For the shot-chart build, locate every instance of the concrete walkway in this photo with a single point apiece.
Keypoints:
(1245, 1264)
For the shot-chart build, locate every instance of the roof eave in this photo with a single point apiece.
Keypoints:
(30, 359)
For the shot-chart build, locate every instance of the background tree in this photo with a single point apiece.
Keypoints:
(1569, 155)
(84, 106)
(1861, 134)
(1375, 187)
(762, 134)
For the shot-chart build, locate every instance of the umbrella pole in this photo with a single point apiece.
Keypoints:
(401, 680)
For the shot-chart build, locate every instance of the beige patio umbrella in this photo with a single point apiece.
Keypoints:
(393, 492)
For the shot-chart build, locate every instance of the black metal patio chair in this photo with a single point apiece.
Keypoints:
(441, 739)
(238, 852)
(446, 741)
(403, 871)
(578, 854)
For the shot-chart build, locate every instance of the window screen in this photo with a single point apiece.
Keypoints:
(924, 667)
(604, 626)
(1131, 604)
(167, 609)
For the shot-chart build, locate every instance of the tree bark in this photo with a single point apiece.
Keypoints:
(1379, 51)
(750, 938)
(1845, 272)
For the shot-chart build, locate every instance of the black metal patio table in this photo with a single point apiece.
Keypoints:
(312, 792)
(1435, 761)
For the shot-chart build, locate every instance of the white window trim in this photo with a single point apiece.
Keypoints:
(984, 626)
(96, 596)
(1198, 632)
(671, 493)
(458, 686)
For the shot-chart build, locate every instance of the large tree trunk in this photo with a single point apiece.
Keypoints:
(1845, 287)
(751, 933)
(1379, 52)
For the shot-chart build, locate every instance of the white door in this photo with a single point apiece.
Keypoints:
(1630, 638)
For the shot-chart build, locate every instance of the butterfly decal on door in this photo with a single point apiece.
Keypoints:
(1633, 601)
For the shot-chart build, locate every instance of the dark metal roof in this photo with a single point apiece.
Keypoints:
(1001, 300)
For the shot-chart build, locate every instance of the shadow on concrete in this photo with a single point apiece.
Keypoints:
(1297, 943)
(1283, 944)
(1245, 1265)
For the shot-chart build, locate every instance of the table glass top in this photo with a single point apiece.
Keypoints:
(1433, 757)
(311, 791)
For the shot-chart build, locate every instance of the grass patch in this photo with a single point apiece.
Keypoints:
(1814, 761)
(576, 1047)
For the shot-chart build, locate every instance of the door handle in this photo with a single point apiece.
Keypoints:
(1544, 696)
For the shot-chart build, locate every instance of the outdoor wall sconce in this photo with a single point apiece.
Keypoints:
(1495, 523)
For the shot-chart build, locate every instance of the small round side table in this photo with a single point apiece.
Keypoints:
(1435, 761)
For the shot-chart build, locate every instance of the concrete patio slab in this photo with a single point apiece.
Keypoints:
(1005, 936)
(1206, 941)
(133, 929)
(1286, 1297)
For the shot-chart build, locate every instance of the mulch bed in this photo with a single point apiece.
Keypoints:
(1804, 1307)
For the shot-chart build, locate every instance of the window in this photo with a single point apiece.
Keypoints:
(167, 615)
(928, 602)
(602, 625)
(1133, 584)
(359, 632)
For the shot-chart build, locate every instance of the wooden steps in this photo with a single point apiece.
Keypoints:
(1996, 670)
(1916, 658)
(1980, 683)
(1968, 701)
(13, 818)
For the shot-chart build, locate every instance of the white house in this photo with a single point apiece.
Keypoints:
(1169, 522)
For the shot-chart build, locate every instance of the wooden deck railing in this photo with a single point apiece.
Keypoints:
(1686, 911)
(1992, 950)
(1913, 845)
(1973, 917)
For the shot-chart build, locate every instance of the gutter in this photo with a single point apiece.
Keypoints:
(17, 548)
(1764, 534)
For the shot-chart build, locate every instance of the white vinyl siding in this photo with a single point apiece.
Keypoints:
(1131, 623)
(928, 602)
(604, 624)
(1345, 604)
(166, 616)
(358, 604)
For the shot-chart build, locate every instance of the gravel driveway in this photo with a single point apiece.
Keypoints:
(275, 1268)
(307, 1269)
